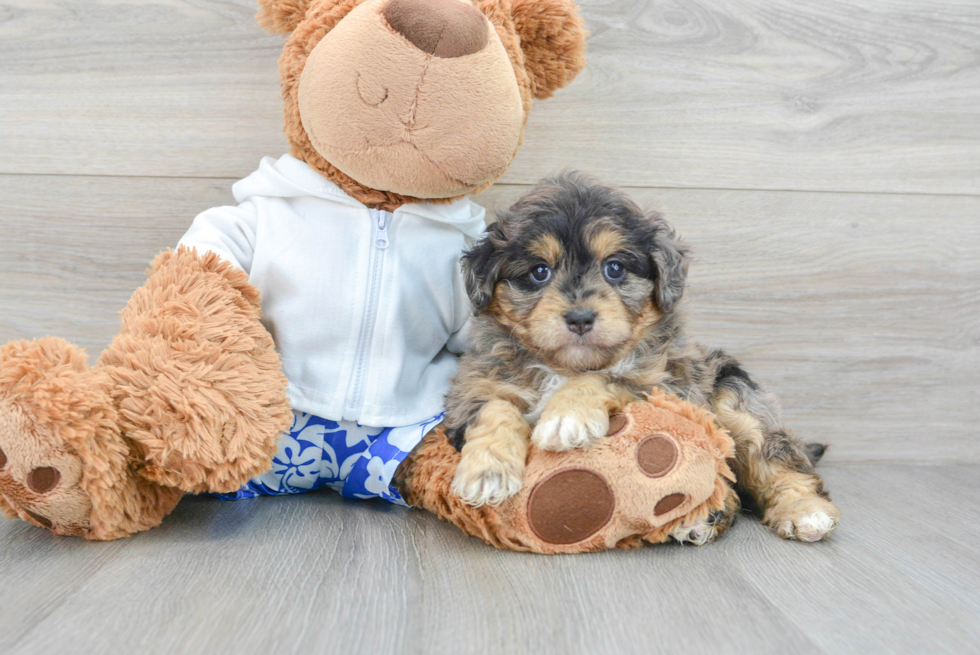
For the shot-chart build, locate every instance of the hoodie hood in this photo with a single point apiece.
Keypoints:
(289, 177)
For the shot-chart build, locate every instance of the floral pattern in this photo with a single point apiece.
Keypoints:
(356, 460)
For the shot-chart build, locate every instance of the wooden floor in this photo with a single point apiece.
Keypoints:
(821, 156)
(315, 573)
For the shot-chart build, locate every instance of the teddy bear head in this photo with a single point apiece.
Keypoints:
(401, 100)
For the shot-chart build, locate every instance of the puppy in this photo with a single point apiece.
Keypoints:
(575, 293)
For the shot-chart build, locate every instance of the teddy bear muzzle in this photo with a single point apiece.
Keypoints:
(414, 97)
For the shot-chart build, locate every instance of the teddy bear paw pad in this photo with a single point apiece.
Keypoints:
(39, 480)
(656, 455)
(652, 467)
(570, 506)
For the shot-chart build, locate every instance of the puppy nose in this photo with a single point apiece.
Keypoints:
(444, 28)
(580, 321)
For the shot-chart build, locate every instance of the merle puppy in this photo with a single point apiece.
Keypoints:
(575, 292)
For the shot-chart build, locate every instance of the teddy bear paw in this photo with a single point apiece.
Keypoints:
(39, 479)
(45, 393)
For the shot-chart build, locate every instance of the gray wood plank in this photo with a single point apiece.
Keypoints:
(911, 532)
(861, 311)
(660, 600)
(873, 95)
(318, 573)
(249, 577)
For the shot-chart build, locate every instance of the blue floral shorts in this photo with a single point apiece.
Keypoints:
(356, 460)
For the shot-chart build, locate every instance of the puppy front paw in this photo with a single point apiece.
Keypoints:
(575, 428)
(484, 479)
(809, 519)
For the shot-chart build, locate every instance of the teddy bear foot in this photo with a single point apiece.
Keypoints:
(40, 474)
(64, 466)
(39, 479)
(662, 464)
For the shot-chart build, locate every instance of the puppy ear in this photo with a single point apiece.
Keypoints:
(553, 40)
(669, 257)
(481, 267)
(281, 16)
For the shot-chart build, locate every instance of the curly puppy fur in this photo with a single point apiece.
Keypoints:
(576, 295)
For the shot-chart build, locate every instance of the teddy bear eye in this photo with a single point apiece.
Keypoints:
(540, 274)
(614, 270)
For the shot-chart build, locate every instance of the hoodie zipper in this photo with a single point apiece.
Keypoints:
(355, 389)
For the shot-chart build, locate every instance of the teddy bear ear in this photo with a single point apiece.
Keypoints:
(552, 37)
(281, 16)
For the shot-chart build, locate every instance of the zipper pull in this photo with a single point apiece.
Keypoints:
(381, 240)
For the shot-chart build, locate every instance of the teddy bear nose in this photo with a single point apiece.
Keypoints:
(444, 28)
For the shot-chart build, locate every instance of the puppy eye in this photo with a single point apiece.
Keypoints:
(540, 274)
(614, 270)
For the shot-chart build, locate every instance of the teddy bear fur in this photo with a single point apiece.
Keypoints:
(190, 396)
(544, 41)
(639, 506)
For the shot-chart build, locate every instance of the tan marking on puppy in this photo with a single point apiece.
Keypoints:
(577, 415)
(505, 311)
(645, 322)
(545, 324)
(491, 467)
(545, 332)
(618, 320)
(792, 501)
(547, 247)
(606, 242)
(476, 387)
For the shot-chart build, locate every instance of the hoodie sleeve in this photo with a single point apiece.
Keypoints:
(463, 311)
(229, 232)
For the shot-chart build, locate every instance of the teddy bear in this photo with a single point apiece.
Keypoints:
(305, 338)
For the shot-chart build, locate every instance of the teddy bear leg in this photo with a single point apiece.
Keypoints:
(196, 377)
(63, 464)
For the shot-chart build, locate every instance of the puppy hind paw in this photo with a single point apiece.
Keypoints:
(811, 527)
(806, 520)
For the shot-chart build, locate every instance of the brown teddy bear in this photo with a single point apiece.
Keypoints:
(395, 110)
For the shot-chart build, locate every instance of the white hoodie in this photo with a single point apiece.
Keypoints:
(366, 307)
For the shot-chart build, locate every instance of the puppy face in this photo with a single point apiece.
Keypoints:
(577, 273)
